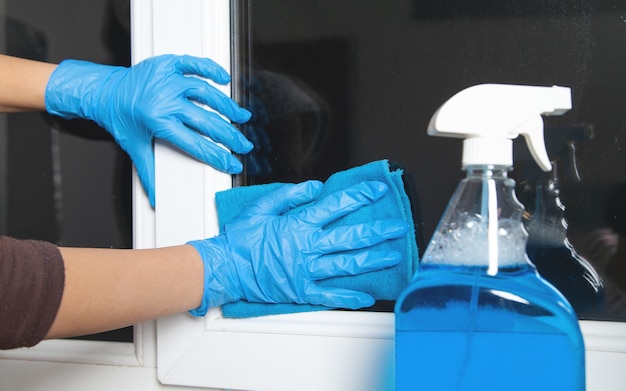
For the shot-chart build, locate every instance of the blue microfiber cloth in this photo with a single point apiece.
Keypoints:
(384, 284)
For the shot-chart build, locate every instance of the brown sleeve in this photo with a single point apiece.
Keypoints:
(32, 278)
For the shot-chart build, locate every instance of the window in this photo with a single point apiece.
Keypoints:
(345, 83)
(66, 182)
(332, 350)
(381, 70)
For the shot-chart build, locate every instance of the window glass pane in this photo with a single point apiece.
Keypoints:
(66, 182)
(339, 84)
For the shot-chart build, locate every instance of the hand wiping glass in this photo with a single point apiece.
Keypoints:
(266, 255)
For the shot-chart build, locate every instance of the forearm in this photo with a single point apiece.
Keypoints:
(107, 289)
(23, 84)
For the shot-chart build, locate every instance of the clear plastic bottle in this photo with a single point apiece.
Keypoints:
(477, 315)
(555, 257)
(549, 248)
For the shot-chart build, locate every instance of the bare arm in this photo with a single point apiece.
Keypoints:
(23, 84)
(107, 289)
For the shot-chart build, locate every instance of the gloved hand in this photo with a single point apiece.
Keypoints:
(266, 255)
(153, 99)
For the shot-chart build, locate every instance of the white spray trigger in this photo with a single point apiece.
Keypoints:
(533, 134)
(489, 116)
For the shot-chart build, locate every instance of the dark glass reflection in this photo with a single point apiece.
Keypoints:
(66, 182)
(338, 84)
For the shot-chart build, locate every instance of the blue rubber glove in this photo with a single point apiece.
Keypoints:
(268, 256)
(153, 99)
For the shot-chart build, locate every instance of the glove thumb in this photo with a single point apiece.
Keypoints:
(338, 297)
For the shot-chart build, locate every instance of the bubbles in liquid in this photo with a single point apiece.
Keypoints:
(469, 241)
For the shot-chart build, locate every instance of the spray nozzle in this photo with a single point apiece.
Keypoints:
(489, 116)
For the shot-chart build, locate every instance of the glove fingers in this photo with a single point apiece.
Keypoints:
(203, 92)
(338, 297)
(281, 200)
(202, 149)
(212, 125)
(201, 66)
(340, 265)
(357, 236)
(341, 203)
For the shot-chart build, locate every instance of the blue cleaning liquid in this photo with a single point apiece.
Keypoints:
(460, 329)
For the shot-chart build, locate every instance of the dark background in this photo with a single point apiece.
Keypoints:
(65, 182)
(370, 74)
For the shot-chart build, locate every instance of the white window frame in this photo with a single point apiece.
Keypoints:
(312, 351)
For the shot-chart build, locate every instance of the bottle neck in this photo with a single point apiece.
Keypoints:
(545, 217)
(482, 226)
(487, 172)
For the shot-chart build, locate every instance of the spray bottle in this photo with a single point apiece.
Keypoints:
(549, 248)
(477, 315)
